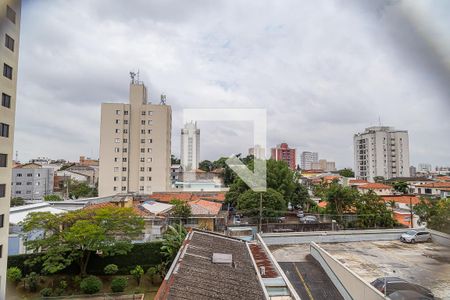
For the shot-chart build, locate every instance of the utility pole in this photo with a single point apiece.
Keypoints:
(260, 212)
(411, 210)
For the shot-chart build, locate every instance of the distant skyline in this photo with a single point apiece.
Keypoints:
(323, 70)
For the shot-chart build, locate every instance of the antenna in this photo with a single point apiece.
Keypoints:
(163, 99)
(137, 76)
(132, 75)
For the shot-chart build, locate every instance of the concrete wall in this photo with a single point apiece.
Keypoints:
(332, 236)
(440, 238)
(350, 285)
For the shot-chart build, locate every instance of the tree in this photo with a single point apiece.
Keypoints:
(273, 203)
(172, 240)
(378, 179)
(347, 173)
(205, 165)
(401, 187)
(72, 237)
(181, 209)
(79, 189)
(436, 213)
(17, 201)
(52, 197)
(174, 160)
(300, 197)
(339, 198)
(372, 211)
(14, 274)
(137, 273)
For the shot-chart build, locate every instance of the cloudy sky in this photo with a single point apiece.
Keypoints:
(323, 70)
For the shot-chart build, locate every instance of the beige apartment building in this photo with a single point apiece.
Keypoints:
(9, 56)
(135, 145)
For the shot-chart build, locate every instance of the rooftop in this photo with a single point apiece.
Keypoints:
(375, 186)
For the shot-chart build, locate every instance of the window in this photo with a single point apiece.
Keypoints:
(116, 159)
(142, 131)
(1, 251)
(29, 174)
(18, 183)
(143, 112)
(2, 190)
(141, 188)
(29, 183)
(115, 188)
(117, 121)
(9, 42)
(149, 131)
(117, 150)
(149, 178)
(6, 100)
(142, 159)
(124, 178)
(11, 14)
(124, 150)
(142, 150)
(149, 150)
(149, 169)
(150, 141)
(17, 192)
(117, 130)
(150, 113)
(142, 141)
(141, 178)
(117, 112)
(7, 71)
(19, 175)
(124, 169)
(124, 188)
(125, 131)
(142, 169)
(125, 122)
(3, 160)
(2, 220)
(116, 169)
(142, 122)
(125, 112)
(150, 122)
(4, 130)
(116, 178)
(117, 140)
(124, 159)
(125, 140)
(149, 159)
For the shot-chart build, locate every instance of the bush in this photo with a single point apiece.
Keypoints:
(62, 284)
(137, 274)
(31, 281)
(119, 284)
(46, 292)
(58, 292)
(111, 269)
(14, 274)
(91, 285)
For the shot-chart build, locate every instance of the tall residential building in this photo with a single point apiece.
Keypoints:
(9, 57)
(381, 151)
(190, 146)
(426, 168)
(284, 153)
(258, 152)
(135, 145)
(308, 158)
(31, 182)
(324, 165)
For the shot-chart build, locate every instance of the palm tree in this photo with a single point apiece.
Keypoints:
(173, 239)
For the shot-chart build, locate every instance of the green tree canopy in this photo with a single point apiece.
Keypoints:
(347, 173)
(372, 211)
(436, 212)
(181, 208)
(401, 187)
(52, 197)
(273, 203)
(17, 201)
(72, 237)
(172, 240)
(340, 198)
(79, 189)
(205, 165)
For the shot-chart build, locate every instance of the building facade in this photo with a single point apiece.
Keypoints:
(135, 145)
(9, 56)
(31, 182)
(283, 153)
(307, 159)
(190, 146)
(258, 152)
(381, 151)
(324, 165)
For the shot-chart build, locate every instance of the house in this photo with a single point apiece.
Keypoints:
(432, 189)
(215, 266)
(207, 215)
(378, 188)
(402, 208)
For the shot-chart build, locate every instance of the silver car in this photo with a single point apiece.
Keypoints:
(413, 236)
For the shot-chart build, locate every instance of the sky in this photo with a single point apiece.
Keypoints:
(322, 70)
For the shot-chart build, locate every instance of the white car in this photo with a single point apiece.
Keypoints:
(413, 236)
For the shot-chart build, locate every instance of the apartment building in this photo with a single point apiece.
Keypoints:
(324, 165)
(307, 159)
(135, 145)
(284, 153)
(258, 152)
(31, 182)
(381, 151)
(9, 56)
(190, 146)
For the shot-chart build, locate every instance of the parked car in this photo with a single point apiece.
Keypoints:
(412, 236)
(408, 295)
(300, 214)
(395, 284)
(309, 220)
(281, 219)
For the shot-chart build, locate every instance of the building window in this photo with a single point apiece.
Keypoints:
(2, 190)
(6, 100)
(149, 131)
(117, 140)
(124, 178)
(150, 113)
(142, 150)
(124, 159)
(150, 141)
(115, 188)
(124, 188)
(117, 121)
(142, 159)
(2, 220)
(150, 122)
(18, 183)
(1, 251)
(124, 169)
(7, 71)
(125, 140)
(115, 178)
(125, 122)
(143, 112)
(116, 169)
(141, 188)
(29, 183)
(29, 174)
(142, 141)
(141, 178)
(149, 159)
(10, 14)
(19, 175)
(117, 130)
(142, 169)
(116, 159)
(125, 112)
(117, 150)
(125, 131)
(149, 178)
(142, 122)
(117, 112)
(149, 169)
(4, 130)
(124, 150)
(3, 160)
(9, 42)
(142, 131)
(149, 150)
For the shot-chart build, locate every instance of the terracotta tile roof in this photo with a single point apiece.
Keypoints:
(375, 186)
(405, 199)
(443, 178)
(435, 185)
(330, 177)
(261, 259)
(188, 196)
(357, 181)
(203, 207)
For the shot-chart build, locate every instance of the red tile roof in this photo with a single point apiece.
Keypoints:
(375, 186)
(443, 178)
(203, 207)
(405, 199)
(435, 185)
(188, 196)
(357, 181)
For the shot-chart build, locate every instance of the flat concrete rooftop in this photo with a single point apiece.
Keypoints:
(427, 264)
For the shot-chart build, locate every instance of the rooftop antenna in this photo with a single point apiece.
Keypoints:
(163, 99)
(132, 75)
(137, 76)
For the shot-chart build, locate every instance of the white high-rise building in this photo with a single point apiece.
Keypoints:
(381, 151)
(135, 145)
(9, 57)
(307, 159)
(258, 152)
(190, 146)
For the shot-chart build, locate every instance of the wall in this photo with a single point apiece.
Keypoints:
(332, 236)
(350, 285)
(440, 238)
